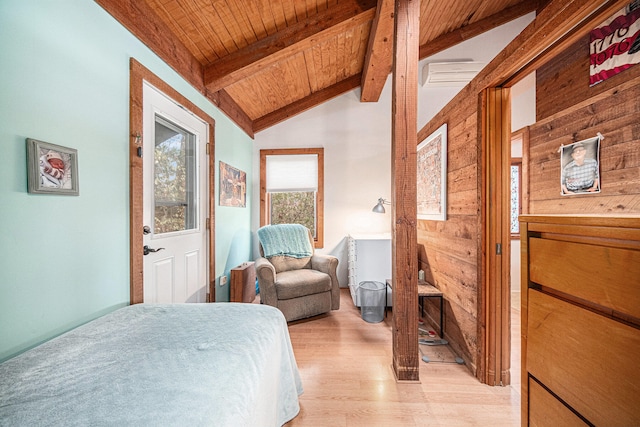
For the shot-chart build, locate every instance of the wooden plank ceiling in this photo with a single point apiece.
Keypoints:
(263, 61)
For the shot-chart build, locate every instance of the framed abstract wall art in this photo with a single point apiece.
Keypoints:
(432, 176)
(233, 186)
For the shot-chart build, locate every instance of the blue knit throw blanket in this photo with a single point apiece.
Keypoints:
(285, 239)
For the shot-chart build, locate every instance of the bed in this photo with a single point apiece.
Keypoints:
(221, 364)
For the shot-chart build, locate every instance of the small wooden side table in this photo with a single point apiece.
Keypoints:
(427, 290)
(243, 283)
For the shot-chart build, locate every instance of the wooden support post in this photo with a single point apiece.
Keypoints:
(404, 166)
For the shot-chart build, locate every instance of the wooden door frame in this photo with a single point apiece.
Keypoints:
(495, 154)
(137, 75)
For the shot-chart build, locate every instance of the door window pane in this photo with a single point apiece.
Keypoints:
(174, 181)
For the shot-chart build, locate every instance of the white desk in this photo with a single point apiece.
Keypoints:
(369, 259)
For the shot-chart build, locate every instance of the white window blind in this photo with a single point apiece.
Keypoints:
(295, 172)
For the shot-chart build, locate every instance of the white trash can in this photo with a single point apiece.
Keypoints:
(372, 297)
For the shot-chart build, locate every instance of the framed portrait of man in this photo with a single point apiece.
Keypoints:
(580, 167)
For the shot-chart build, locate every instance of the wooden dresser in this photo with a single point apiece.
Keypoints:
(580, 320)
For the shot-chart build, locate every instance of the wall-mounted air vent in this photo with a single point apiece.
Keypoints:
(450, 73)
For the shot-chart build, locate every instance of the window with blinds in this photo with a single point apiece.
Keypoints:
(291, 188)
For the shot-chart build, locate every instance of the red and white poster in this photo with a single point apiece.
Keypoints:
(615, 45)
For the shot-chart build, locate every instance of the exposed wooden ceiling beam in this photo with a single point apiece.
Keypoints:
(293, 39)
(379, 56)
(306, 103)
(226, 103)
(143, 22)
(465, 33)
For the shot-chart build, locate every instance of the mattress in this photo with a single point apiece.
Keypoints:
(221, 364)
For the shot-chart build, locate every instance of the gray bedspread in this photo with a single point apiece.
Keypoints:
(220, 364)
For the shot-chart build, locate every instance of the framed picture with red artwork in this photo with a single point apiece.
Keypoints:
(51, 169)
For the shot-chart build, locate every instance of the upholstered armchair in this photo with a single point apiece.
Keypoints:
(297, 281)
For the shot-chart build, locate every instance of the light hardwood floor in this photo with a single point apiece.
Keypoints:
(345, 365)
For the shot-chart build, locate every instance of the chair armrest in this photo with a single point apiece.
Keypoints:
(328, 264)
(266, 274)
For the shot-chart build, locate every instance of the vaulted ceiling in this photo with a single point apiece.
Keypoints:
(263, 61)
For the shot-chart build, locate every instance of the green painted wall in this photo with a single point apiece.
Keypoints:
(65, 80)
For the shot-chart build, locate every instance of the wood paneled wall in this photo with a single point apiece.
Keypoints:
(568, 110)
(448, 251)
(451, 252)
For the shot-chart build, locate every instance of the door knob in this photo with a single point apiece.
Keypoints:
(146, 230)
(146, 250)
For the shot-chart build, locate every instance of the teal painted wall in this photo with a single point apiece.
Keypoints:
(233, 246)
(65, 80)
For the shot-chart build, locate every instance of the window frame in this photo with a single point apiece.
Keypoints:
(522, 134)
(264, 202)
(517, 161)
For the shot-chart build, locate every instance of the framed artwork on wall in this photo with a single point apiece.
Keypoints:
(580, 167)
(432, 176)
(233, 186)
(51, 169)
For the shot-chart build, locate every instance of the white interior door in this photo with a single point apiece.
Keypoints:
(175, 201)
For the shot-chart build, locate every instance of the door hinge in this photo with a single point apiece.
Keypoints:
(208, 223)
(498, 248)
(208, 148)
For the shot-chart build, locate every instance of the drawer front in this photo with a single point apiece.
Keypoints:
(607, 276)
(547, 411)
(587, 360)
